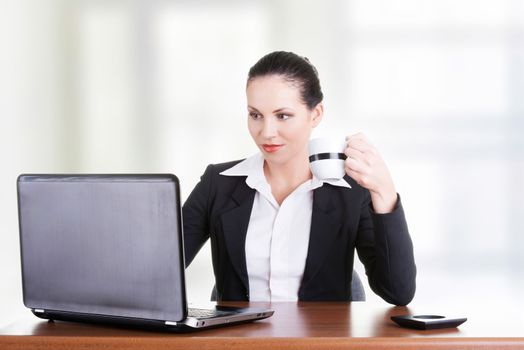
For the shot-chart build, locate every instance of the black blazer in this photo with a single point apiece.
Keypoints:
(220, 206)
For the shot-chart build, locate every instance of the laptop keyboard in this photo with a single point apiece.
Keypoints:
(206, 313)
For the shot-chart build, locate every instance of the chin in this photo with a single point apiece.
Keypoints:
(276, 158)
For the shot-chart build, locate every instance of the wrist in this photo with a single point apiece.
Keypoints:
(384, 202)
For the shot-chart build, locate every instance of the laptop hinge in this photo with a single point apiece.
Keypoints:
(170, 323)
(40, 311)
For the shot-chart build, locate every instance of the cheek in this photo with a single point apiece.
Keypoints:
(252, 127)
(300, 131)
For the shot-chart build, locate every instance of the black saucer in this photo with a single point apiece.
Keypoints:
(427, 321)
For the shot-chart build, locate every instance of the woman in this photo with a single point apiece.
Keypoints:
(279, 233)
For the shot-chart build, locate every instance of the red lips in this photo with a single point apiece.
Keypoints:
(271, 148)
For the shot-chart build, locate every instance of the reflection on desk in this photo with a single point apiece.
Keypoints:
(294, 325)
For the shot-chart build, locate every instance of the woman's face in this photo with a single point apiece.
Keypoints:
(278, 121)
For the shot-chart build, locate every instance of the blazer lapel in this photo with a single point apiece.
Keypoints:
(325, 224)
(235, 224)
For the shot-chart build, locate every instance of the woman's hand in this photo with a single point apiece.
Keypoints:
(365, 165)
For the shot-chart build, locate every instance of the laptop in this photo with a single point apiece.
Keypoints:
(109, 248)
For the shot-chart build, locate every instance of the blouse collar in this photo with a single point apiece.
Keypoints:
(253, 168)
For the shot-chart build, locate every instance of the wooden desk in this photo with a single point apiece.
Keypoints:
(293, 326)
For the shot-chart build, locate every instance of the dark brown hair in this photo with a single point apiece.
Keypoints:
(293, 68)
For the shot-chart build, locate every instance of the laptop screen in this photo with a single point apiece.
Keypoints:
(103, 244)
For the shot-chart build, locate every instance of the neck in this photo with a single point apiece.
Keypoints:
(292, 173)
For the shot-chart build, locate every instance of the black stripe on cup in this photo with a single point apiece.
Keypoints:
(322, 156)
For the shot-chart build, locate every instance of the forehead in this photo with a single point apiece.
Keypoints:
(272, 91)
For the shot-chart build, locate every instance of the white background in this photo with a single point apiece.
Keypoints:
(158, 86)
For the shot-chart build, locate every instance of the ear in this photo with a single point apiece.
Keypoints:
(317, 114)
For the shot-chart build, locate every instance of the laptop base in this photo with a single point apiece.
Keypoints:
(188, 325)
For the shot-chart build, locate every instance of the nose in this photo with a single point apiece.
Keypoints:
(269, 129)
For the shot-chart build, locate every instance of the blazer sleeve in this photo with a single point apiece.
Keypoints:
(384, 246)
(195, 212)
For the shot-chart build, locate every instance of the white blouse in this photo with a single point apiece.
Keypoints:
(278, 235)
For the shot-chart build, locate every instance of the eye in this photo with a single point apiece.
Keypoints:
(255, 116)
(282, 116)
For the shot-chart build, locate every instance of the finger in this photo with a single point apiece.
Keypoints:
(352, 173)
(358, 135)
(361, 137)
(355, 135)
(360, 178)
(362, 146)
(354, 153)
(369, 158)
(355, 165)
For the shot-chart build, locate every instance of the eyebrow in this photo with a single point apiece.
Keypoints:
(275, 111)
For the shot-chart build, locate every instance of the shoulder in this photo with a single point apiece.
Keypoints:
(212, 173)
(355, 194)
(219, 167)
(218, 188)
(351, 182)
(354, 187)
(215, 169)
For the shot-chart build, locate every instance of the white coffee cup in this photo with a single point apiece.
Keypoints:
(326, 157)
